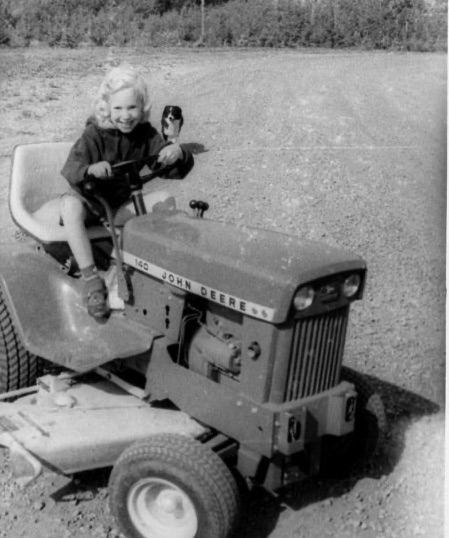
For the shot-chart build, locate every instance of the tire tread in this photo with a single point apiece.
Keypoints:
(18, 367)
(192, 457)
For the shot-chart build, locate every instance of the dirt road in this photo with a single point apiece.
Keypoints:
(348, 148)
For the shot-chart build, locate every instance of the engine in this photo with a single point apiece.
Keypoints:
(214, 343)
(235, 304)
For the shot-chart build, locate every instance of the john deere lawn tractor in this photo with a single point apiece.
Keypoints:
(220, 364)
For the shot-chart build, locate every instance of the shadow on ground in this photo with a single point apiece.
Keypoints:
(262, 510)
(195, 148)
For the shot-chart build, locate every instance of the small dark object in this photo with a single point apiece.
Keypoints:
(200, 207)
(171, 122)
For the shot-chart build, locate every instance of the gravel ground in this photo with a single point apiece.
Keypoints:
(347, 148)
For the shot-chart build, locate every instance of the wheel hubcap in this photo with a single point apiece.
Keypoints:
(159, 509)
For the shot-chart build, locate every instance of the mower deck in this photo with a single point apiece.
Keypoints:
(69, 426)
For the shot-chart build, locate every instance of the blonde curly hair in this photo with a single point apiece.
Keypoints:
(119, 78)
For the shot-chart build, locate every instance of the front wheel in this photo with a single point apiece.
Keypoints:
(171, 486)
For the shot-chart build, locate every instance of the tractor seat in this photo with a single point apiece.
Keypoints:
(35, 190)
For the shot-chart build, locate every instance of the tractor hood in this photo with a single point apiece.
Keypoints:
(250, 270)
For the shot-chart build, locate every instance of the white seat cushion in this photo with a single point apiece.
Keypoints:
(35, 190)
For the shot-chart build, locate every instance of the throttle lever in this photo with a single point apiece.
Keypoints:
(200, 207)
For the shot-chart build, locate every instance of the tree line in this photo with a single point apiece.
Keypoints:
(419, 25)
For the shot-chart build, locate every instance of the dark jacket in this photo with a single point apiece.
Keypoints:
(111, 145)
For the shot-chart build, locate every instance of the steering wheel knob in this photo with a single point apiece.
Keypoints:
(89, 187)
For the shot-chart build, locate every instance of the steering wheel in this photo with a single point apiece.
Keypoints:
(135, 165)
(126, 176)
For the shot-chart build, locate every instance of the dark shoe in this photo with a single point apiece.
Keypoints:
(97, 297)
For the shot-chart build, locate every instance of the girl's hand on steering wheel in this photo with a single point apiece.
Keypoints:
(170, 154)
(100, 170)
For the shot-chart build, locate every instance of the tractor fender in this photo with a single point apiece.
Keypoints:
(49, 314)
(31, 283)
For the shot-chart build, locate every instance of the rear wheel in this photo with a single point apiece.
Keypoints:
(18, 367)
(171, 486)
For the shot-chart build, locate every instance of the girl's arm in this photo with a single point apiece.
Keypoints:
(78, 161)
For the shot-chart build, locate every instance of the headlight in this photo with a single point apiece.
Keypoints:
(304, 298)
(351, 285)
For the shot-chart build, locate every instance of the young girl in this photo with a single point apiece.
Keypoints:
(118, 131)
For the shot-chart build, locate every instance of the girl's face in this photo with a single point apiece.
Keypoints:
(126, 110)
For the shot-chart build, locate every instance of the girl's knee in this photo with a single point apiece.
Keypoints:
(72, 208)
(161, 201)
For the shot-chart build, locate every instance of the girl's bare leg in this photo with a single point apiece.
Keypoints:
(73, 214)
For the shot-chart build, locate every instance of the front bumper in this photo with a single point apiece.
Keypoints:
(300, 423)
(294, 446)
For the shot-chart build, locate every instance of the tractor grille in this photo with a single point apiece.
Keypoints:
(316, 354)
